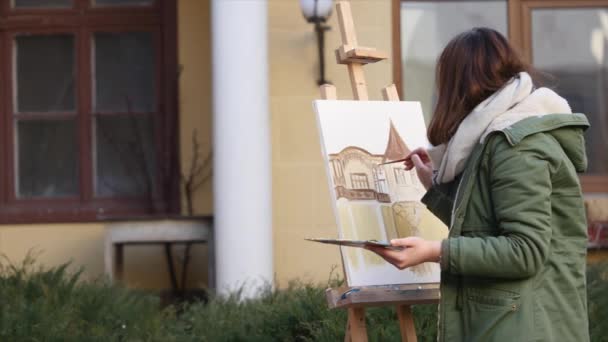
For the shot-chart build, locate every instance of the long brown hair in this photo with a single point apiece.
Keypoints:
(473, 66)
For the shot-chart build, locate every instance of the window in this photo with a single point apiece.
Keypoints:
(399, 176)
(580, 70)
(338, 171)
(426, 27)
(380, 180)
(86, 109)
(539, 29)
(414, 177)
(359, 181)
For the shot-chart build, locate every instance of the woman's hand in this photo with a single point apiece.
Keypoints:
(415, 251)
(419, 158)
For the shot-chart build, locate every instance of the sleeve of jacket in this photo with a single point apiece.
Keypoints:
(520, 182)
(439, 199)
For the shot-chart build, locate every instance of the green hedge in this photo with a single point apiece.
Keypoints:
(597, 294)
(53, 305)
(298, 313)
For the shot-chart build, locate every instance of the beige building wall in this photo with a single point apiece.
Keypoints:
(301, 199)
(195, 89)
(82, 244)
(55, 244)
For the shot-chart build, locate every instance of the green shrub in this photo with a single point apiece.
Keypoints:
(597, 294)
(54, 305)
(298, 313)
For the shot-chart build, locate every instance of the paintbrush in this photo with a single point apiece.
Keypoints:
(396, 161)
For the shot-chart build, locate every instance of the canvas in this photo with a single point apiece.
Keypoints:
(373, 200)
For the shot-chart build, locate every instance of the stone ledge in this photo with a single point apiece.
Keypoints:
(597, 209)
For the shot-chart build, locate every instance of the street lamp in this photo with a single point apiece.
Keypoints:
(317, 12)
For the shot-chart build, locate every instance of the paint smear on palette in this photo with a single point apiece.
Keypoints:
(372, 199)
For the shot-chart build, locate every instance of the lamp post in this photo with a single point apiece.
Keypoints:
(317, 12)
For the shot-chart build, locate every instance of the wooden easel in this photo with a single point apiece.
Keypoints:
(355, 300)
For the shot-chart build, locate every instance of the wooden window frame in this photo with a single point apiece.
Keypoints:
(83, 20)
(519, 24)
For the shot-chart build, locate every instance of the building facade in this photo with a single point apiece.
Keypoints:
(105, 104)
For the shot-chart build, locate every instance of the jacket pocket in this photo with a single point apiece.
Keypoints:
(492, 315)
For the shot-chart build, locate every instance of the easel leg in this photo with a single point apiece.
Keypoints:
(355, 328)
(406, 323)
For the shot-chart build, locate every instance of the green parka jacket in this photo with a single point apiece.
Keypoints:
(513, 266)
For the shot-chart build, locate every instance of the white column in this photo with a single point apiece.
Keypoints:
(242, 151)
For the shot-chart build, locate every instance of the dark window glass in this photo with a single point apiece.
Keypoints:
(124, 155)
(45, 73)
(124, 72)
(48, 158)
(42, 3)
(426, 27)
(122, 2)
(571, 44)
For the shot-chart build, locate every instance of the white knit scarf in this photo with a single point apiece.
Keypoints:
(512, 103)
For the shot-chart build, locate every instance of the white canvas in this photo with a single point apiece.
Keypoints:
(370, 200)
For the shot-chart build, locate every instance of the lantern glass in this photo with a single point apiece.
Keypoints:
(323, 9)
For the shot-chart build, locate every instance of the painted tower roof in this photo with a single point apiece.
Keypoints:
(395, 147)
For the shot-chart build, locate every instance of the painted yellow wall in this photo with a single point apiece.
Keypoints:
(83, 244)
(56, 244)
(194, 24)
(301, 201)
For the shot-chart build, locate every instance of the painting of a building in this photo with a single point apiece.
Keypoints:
(372, 180)
(375, 197)
(360, 175)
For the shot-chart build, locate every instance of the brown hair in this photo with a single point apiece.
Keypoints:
(473, 66)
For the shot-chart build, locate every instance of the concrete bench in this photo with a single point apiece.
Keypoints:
(165, 232)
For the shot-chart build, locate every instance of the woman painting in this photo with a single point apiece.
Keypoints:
(502, 174)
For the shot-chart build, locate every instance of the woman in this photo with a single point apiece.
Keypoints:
(502, 174)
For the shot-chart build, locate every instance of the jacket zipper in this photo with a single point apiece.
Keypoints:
(456, 210)
(452, 220)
